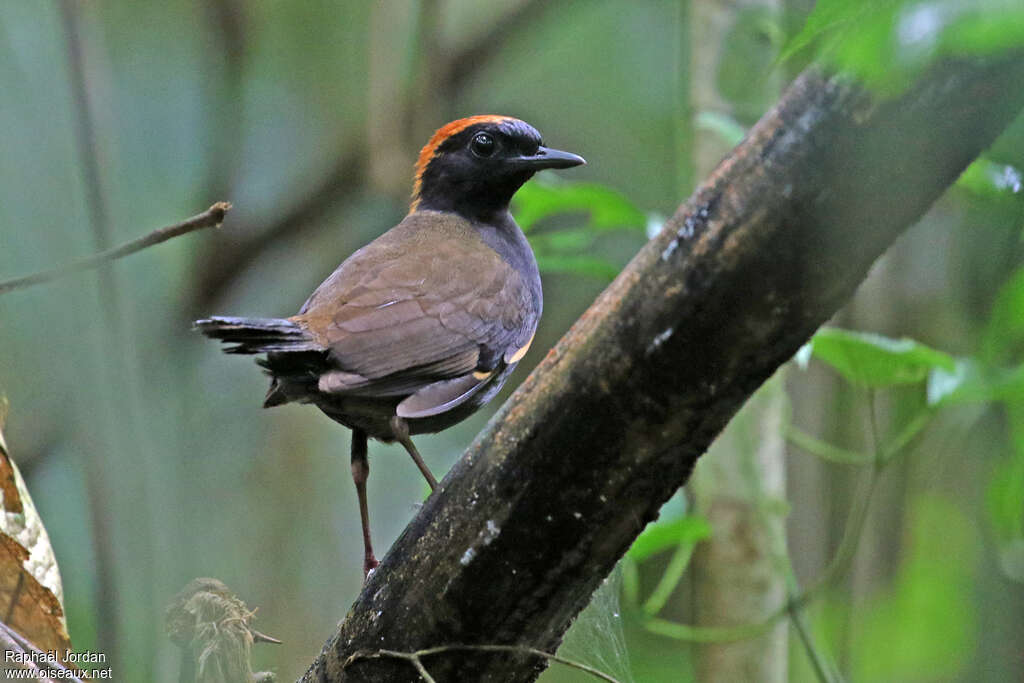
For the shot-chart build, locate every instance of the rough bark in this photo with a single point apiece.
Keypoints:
(610, 424)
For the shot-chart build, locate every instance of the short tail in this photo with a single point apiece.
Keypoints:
(258, 335)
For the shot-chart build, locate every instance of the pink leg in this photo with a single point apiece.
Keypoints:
(360, 473)
(401, 430)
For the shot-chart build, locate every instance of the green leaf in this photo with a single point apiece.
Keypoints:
(663, 535)
(986, 178)
(608, 209)
(573, 240)
(1004, 496)
(930, 610)
(875, 361)
(1005, 499)
(1005, 327)
(987, 27)
(886, 43)
(827, 18)
(974, 382)
(580, 265)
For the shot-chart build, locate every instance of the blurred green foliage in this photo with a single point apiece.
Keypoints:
(145, 448)
(887, 43)
(872, 360)
(570, 249)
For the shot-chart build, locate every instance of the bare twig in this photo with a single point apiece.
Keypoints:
(822, 669)
(211, 218)
(416, 658)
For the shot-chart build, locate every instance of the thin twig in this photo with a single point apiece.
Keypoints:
(823, 449)
(818, 663)
(416, 657)
(210, 218)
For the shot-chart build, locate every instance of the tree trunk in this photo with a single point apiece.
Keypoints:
(610, 424)
(736, 577)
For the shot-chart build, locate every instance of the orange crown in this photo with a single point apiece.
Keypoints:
(443, 133)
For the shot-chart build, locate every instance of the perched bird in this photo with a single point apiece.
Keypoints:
(418, 329)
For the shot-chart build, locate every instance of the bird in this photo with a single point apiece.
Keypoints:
(418, 329)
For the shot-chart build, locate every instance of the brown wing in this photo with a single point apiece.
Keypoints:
(428, 301)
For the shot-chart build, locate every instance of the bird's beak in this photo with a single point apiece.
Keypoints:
(545, 157)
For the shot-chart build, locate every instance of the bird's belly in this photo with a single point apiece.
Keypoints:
(373, 415)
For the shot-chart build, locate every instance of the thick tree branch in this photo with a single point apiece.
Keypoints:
(582, 456)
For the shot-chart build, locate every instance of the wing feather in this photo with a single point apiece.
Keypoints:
(426, 302)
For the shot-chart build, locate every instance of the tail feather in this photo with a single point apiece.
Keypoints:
(258, 335)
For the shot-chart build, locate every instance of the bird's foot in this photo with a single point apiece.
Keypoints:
(370, 564)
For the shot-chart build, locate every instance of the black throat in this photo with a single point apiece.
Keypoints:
(475, 199)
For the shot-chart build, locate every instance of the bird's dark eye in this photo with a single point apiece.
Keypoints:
(482, 145)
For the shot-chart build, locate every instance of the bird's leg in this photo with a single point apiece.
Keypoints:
(360, 473)
(401, 431)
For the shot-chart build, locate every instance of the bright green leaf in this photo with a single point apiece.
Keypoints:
(608, 209)
(1004, 495)
(562, 240)
(579, 265)
(1005, 327)
(1005, 498)
(974, 382)
(930, 609)
(663, 535)
(986, 178)
(986, 26)
(886, 43)
(827, 18)
(873, 360)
